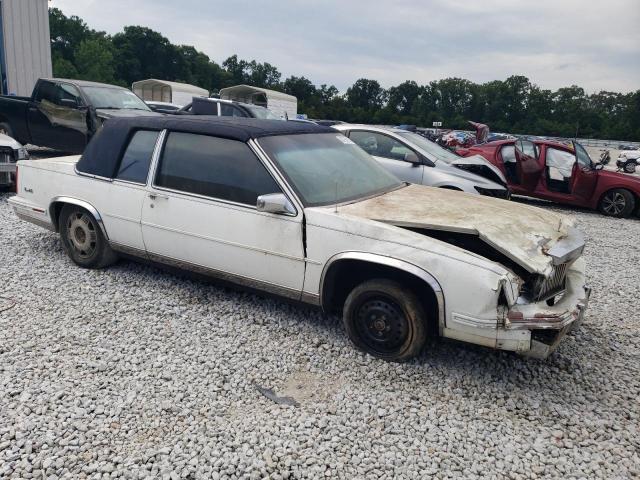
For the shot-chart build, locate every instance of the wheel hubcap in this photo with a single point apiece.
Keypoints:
(614, 203)
(82, 234)
(382, 325)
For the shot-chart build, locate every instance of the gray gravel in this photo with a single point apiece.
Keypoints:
(135, 372)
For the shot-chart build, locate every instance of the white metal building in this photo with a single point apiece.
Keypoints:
(279, 103)
(25, 45)
(164, 91)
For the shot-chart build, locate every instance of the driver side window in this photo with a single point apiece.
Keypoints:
(380, 145)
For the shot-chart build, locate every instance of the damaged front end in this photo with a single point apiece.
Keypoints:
(535, 309)
(550, 318)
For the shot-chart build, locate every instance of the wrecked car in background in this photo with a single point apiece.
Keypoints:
(64, 114)
(10, 152)
(562, 173)
(298, 210)
(416, 159)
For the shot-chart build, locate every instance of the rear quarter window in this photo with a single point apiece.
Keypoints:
(134, 166)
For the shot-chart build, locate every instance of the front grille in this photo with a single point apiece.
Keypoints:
(541, 288)
(494, 192)
(7, 155)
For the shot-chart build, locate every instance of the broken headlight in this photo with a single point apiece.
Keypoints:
(22, 154)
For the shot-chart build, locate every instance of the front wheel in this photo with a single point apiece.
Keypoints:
(385, 320)
(630, 167)
(83, 240)
(617, 203)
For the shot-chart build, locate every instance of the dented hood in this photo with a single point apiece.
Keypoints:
(534, 238)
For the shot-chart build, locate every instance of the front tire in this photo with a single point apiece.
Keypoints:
(83, 240)
(385, 320)
(630, 167)
(617, 202)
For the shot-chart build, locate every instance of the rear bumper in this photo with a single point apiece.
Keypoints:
(30, 212)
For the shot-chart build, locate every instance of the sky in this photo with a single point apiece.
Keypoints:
(555, 43)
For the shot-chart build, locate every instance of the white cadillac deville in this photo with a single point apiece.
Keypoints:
(299, 210)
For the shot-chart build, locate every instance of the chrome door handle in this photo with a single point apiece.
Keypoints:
(156, 196)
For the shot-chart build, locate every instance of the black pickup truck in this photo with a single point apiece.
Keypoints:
(64, 114)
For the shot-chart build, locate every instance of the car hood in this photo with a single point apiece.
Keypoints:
(7, 141)
(535, 239)
(110, 113)
(481, 166)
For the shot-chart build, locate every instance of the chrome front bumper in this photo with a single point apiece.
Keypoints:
(7, 167)
(548, 324)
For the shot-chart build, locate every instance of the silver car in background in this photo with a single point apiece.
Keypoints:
(415, 159)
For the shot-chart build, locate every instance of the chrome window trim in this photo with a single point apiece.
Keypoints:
(277, 175)
(90, 175)
(153, 152)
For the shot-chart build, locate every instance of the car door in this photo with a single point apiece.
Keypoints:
(57, 117)
(528, 167)
(585, 177)
(200, 213)
(390, 153)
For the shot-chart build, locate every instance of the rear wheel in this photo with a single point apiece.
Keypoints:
(385, 320)
(617, 203)
(83, 240)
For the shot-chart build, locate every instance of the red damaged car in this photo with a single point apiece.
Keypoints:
(562, 173)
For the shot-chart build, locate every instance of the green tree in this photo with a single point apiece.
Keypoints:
(94, 60)
(366, 94)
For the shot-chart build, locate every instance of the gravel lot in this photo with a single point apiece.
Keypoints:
(135, 372)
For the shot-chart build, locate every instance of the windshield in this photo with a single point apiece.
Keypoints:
(261, 112)
(327, 168)
(114, 98)
(432, 150)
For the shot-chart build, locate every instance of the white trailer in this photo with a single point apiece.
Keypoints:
(279, 103)
(165, 91)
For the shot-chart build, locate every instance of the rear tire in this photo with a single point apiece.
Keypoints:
(385, 320)
(617, 202)
(630, 167)
(83, 240)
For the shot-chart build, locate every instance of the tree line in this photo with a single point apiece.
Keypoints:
(515, 105)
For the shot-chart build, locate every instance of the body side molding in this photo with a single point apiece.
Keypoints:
(80, 203)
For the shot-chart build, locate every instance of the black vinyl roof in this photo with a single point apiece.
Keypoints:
(103, 153)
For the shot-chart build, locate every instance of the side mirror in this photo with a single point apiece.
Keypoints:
(67, 102)
(598, 166)
(275, 203)
(412, 157)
